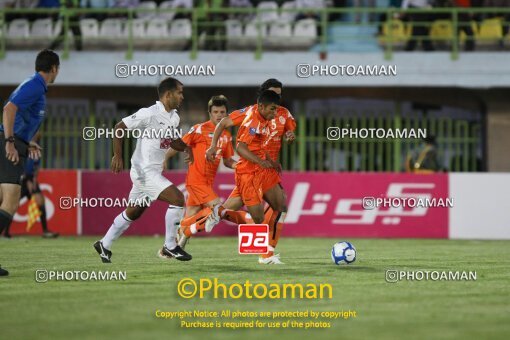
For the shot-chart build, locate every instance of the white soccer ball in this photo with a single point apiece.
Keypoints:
(343, 253)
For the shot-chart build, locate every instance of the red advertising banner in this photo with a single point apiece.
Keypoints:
(319, 204)
(106, 185)
(331, 204)
(54, 184)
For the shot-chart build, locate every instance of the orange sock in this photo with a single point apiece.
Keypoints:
(196, 223)
(275, 220)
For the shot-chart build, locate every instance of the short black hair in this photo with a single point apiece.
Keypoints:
(45, 61)
(272, 82)
(220, 100)
(168, 84)
(268, 97)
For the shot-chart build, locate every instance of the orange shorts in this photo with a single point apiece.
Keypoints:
(249, 186)
(200, 194)
(270, 179)
(235, 193)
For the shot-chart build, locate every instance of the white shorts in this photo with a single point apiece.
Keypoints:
(148, 190)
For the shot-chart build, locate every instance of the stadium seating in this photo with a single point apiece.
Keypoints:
(111, 34)
(157, 33)
(41, 33)
(490, 33)
(286, 16)
(234, 33)
(442, 33)
(251, 34)
(394, 32)
(165, 5)
(474, 27)
(279, 36)
(18, 33)
(139, 33)
(180, 33)
(276, 35)
(90, 33)
(304, 35)
(279, 31)
(138, 28)
(58, 27)
(267, 16)
(144, 7)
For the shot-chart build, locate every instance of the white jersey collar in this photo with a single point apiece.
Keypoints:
(161, 108)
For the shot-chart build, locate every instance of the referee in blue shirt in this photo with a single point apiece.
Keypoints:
(22, 117)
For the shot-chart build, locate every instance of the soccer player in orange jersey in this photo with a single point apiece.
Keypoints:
(282, 125)
(201, 174)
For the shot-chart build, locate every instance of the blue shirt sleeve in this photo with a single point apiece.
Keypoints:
(27, 95)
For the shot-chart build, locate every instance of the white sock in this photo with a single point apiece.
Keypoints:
(120, 224)
(173, 219)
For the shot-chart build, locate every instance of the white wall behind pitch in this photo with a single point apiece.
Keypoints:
(481, 206)
(97, 68)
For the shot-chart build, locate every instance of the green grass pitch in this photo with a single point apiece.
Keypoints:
(404, 310)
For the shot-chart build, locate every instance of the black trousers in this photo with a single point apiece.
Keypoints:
(465, 25)
(421, 27)
(74, 25)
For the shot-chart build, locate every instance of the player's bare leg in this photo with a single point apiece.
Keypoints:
(274, 216)
(228, 211)
(257, 213)
(232, 212)
(173, 217)
(233, 203)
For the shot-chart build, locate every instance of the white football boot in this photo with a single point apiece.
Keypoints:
(275, 259)
(213, 219)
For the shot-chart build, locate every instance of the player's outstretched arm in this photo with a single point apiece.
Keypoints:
(225, 123)
(243, 151)
(169, 154)
(230, 163)
(34, 149)
(290, 137)
(117, 161)
(275, 164)
(9, 116)
(179, 145)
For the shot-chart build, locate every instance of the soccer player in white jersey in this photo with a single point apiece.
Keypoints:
(146, 169)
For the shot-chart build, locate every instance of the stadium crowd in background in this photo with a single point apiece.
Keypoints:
(211, 23)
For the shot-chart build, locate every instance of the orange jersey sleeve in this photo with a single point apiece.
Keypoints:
(228, 150)
(239, 115)
(290, 122)
(190, 138)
